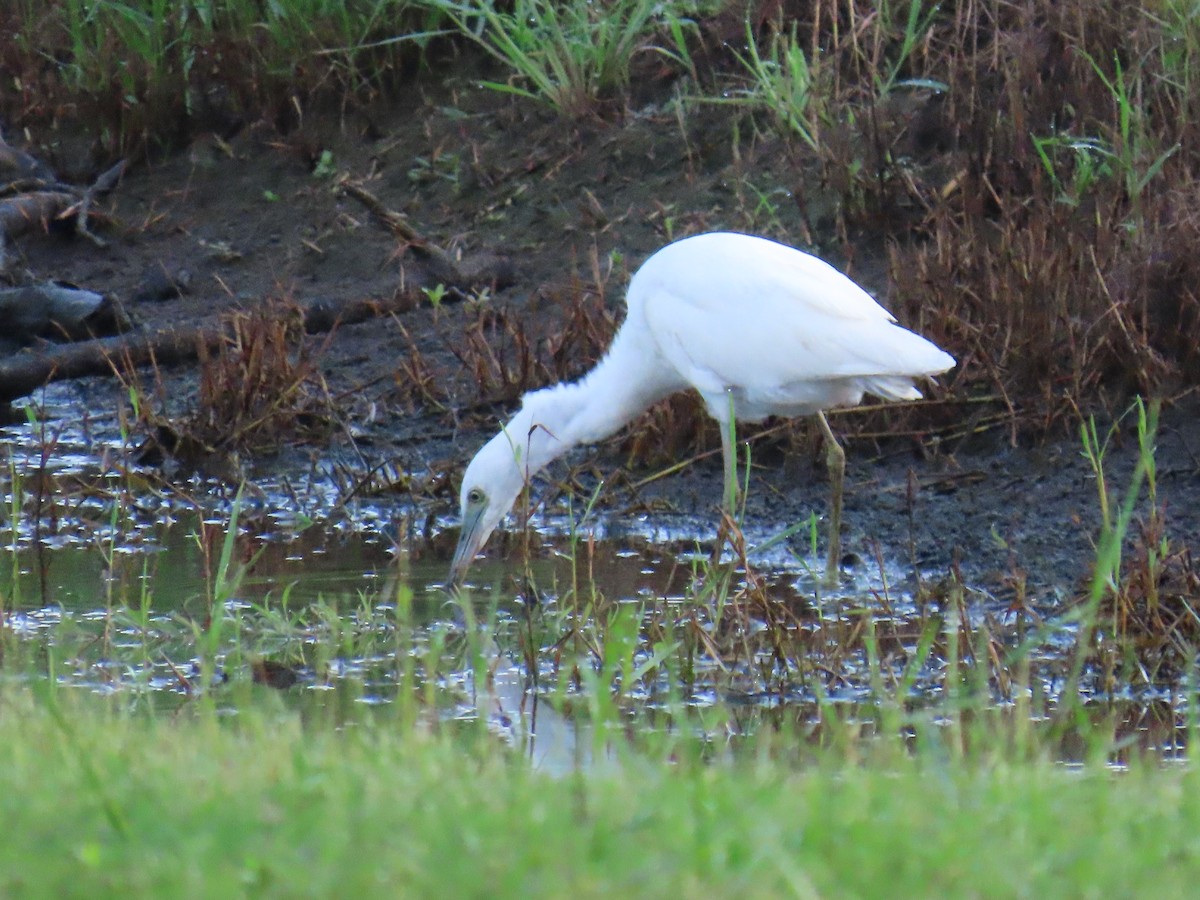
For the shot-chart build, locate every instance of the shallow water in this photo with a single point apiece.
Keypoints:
(118, 586)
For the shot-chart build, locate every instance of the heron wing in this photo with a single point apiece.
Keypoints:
(760, 316)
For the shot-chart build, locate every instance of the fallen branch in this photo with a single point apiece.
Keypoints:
(396, 223)
(25, 372)
(38, 201)
(56, 311)
(102, 185)
(29, 370)
(481, 270)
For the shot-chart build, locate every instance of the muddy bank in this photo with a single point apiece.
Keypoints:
(565, 213)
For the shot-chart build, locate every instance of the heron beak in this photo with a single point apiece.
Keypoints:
(469, 542)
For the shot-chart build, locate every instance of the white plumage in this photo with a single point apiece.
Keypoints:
(751, 324)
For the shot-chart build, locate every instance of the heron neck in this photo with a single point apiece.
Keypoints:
(630, 378)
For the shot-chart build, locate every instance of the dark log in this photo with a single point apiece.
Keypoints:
(38, 208)
(56, 312)
(27, 371)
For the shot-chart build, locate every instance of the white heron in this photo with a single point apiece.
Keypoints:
(757, 328)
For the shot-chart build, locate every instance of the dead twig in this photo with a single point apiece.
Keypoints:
(101, 186)
(34, 201)
(399, 225)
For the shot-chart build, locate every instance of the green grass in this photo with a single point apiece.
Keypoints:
(783, 82)
(142, 69)
(96, 804)
(568, 55)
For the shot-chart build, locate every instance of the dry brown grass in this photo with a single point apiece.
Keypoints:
(506, 352)
(264, 384)
(259, 391)
(1058, 281)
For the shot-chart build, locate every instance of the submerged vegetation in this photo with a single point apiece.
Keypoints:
(1028, 173)
(239, 732)
(697, 626)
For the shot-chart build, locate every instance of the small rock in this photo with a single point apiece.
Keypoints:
(159, 284)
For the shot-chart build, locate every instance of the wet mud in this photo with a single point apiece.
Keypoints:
(252, 217)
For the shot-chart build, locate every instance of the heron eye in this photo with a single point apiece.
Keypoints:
(475, 496)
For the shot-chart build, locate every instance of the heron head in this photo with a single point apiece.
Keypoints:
(489, 489)
(538, 433)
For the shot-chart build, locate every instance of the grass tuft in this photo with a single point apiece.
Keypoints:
(261, 389)
(569, 54)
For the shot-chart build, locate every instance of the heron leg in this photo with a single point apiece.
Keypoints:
(728, 425)
(835, 459)
(728, 448)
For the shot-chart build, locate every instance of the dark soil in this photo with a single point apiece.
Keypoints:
(254, 218)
